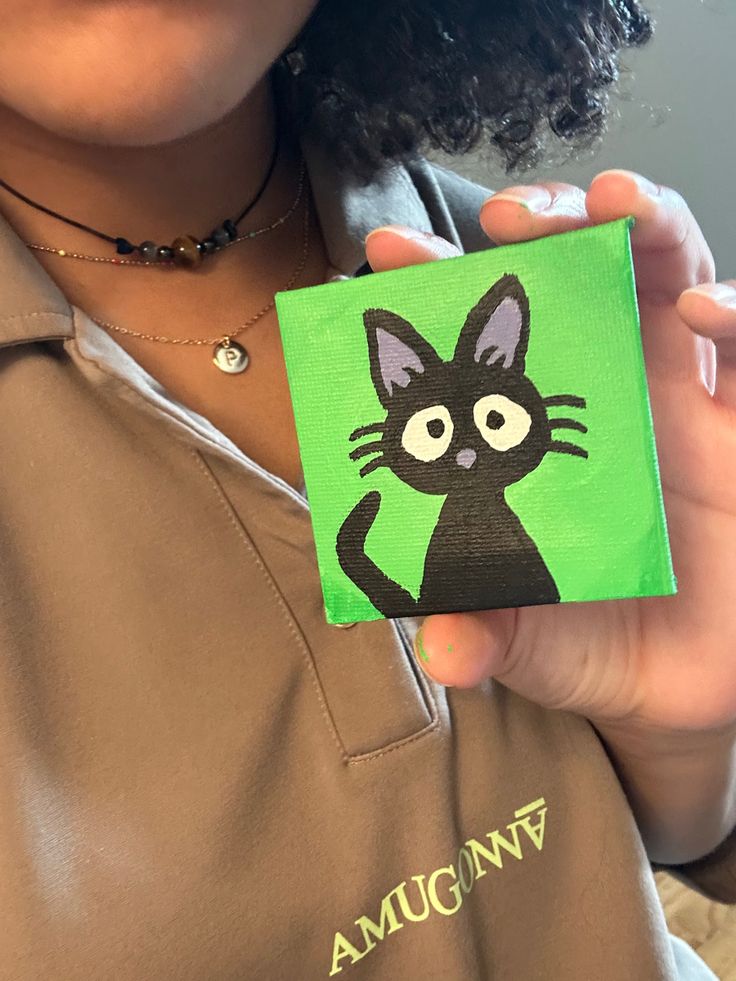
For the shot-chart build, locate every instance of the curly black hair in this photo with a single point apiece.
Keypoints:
(384, 80)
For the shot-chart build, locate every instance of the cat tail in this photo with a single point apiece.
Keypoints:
(387, 596)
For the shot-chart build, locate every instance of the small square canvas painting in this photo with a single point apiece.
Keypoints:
(476, 432)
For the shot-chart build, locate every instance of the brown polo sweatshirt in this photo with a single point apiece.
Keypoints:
(199, 778)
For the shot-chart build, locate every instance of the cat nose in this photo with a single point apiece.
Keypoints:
(466, 458)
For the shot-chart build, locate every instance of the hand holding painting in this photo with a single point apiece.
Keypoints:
(654, 675)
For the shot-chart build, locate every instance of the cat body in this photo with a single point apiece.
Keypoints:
(480, 557)
(466, 429)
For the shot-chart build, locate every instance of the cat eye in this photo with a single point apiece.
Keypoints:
(502, 423)
(428, 433)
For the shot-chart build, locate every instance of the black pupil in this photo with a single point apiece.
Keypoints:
(435, 428)
(495, 420)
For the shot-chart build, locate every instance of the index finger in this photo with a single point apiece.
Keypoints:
(670, 250)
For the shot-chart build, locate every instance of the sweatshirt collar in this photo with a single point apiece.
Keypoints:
(33, 307)
(348, 210)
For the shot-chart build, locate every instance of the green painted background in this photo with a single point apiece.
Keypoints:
(598, 523)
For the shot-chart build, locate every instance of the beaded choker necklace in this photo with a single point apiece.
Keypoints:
(172, 264)
(185, 251)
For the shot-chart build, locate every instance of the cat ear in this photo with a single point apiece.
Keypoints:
(496, 330)
(397, 352)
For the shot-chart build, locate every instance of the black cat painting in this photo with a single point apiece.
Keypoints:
(466, 429)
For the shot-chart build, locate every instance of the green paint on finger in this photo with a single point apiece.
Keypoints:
(420, 647)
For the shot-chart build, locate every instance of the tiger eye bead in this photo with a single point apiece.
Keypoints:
(186, 252)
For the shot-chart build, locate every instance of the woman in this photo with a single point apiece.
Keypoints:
(200, 777)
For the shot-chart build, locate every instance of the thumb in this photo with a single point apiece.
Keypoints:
(529, 651)
(463, 649)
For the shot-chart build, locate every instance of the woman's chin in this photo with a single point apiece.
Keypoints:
(118, 117)
(135, 74)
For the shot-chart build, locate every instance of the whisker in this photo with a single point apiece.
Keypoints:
(558, 446)
(375, 427)
(575, 401)
(568, 424)
(372, 465)
(366, 448)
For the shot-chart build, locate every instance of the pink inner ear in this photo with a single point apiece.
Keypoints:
(501, 335)
(395, 358)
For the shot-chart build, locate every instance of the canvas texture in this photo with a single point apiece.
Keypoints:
(476, 432)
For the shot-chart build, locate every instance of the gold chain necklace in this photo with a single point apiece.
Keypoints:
(64, 253)
(228, 355)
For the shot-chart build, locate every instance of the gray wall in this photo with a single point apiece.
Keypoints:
(674, 122)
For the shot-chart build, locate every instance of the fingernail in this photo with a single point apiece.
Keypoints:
(405, 232)
(722, 293)
(643, 183)
(529, 196)
(421, 653)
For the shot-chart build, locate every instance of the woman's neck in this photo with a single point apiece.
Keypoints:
(158, 193)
